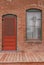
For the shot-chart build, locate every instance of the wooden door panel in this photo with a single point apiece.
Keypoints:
(9, 48)
(9, 33)
(9, 38)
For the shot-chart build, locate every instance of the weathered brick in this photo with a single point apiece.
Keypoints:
(19, 7)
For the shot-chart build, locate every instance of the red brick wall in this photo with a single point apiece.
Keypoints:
(19, 7)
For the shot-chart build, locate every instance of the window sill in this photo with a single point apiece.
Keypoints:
(34, 41)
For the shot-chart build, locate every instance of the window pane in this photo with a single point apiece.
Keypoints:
(35, 33)
(33, 24)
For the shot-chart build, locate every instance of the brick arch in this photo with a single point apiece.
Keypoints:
(8, 15)
(32, 7)
(37, 9)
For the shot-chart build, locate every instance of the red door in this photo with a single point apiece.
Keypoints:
(9, 32)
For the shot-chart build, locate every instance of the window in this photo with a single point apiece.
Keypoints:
(34, 24)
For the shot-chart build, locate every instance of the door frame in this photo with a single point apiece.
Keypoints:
(2, 31)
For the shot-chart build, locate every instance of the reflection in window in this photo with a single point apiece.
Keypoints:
(33, 24)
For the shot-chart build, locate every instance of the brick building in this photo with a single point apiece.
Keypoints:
(20, 10)
(22, 25)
